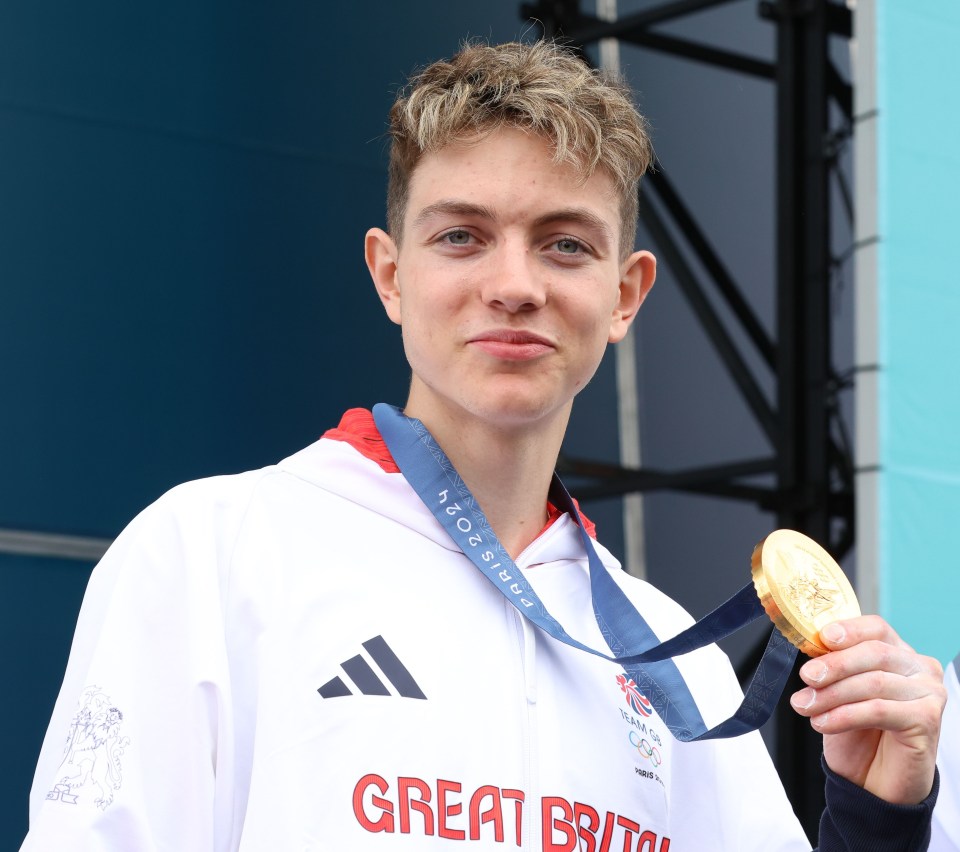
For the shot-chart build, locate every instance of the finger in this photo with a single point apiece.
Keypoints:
(853, 631)
(868, 656)
(912, 719)
(865, 687)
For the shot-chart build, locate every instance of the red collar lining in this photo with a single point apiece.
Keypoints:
(358, 429)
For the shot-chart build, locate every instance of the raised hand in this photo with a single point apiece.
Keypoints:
(878, 704)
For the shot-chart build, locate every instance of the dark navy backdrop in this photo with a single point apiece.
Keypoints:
(184, 189)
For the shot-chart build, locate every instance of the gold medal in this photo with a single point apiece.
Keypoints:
(801, 588)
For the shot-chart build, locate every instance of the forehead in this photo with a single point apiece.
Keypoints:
(511, 173)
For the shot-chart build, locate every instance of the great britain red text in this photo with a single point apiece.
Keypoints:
(489, 813)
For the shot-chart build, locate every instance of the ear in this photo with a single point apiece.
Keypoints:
(637, 274)
(381, 254)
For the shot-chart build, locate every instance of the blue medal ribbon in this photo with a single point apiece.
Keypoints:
(632, 643)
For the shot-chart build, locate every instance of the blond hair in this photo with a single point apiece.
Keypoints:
(587, 116)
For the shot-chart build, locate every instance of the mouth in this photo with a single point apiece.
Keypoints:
(512, 345)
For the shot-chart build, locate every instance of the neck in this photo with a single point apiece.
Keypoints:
(508, 471)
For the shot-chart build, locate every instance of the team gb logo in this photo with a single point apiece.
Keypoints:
(636, 700)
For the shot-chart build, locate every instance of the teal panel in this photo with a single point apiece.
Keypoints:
(918, 184)
(920, 586)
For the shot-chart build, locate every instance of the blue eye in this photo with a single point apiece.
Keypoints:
(457, 238)
(568, 246)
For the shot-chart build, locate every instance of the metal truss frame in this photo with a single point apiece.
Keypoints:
(811, 463)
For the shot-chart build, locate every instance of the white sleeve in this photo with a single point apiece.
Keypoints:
(139, 746)
(945, 832)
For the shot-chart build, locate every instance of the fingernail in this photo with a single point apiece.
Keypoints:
(814, 671)
(821, 720)
(803, 700)
(833, 633)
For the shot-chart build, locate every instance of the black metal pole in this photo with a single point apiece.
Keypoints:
(800, 428)
(803, 363)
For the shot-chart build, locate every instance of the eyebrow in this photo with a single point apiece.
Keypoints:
(577, 215)
(450, 207)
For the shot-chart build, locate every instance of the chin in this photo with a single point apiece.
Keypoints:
(513, 410)
(504, 401)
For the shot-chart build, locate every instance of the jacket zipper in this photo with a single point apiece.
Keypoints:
(531, 780)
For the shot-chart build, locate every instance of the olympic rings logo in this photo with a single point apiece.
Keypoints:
(650, 752)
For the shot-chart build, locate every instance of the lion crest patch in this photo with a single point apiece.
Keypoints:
(90, 771)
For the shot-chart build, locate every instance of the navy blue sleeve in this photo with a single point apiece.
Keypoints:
(857, 821)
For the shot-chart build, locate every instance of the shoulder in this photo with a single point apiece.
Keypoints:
(198, 518)
(219, 502)
(208, 505)
(208, 514)
(950, 727)
(946, 815)
(952, 677)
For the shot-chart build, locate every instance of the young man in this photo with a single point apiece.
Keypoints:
(304, 657)
(946, 818)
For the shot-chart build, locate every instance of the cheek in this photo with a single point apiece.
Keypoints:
(594, 334)
(422, 331)
(594, 326)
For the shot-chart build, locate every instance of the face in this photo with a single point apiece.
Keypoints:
(508, 281)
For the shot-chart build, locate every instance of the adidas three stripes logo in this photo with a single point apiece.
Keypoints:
(367, 680)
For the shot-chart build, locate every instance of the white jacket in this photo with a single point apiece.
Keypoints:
(946, 815)
(222, 689)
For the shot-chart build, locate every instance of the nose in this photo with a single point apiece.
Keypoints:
(514, 281)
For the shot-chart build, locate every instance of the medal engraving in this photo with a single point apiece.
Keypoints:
(801, 588)
(811, 591)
